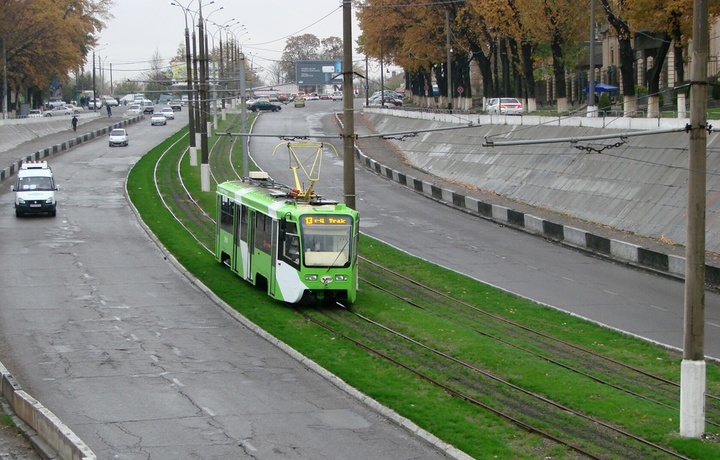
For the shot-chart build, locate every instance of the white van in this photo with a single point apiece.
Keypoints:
(35, 189)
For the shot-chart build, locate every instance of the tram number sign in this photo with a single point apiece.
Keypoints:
(325, 220)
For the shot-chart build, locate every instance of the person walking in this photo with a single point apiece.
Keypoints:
(74, 122)
(109, 111)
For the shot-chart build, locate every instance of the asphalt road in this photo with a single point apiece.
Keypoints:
(109, 335)
(615, 295)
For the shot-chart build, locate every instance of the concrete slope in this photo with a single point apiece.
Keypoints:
(637, 184)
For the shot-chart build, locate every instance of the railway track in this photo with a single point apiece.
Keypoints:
(489, 390)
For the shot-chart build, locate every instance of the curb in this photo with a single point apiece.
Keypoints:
(49, 437)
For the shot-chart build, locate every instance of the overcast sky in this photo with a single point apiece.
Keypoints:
(142, 27)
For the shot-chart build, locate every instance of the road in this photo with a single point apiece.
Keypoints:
(110, 336)
(620, 297)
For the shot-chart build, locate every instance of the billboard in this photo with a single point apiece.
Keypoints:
(318, 72)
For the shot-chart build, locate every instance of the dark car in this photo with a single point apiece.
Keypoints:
(265, 106)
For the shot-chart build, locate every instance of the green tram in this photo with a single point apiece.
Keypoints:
(301, 248)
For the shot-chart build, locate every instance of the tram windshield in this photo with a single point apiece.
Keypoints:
(326, 240)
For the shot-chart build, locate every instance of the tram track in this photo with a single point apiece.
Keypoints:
(586, 436)
(584, 362)
(583, 434)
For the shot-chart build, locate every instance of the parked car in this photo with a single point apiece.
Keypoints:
(168, 112)
(118, 136)
(59, 110)
(377, 100)
(265, 106)
(504, 106)
(299, 102)
(158, 119)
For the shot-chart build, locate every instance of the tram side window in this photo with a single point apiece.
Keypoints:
(263, 232)
(242, 228)
(289, 247)
(226, 214)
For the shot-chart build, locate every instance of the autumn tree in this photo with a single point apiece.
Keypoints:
(331, 48)
(671, 23)
(301, 48)
(45, 40)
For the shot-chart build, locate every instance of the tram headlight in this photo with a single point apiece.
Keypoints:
(311, 277)
(341, 277)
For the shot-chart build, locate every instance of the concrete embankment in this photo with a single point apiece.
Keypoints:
(636, 184)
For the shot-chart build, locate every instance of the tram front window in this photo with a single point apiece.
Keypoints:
(326, 245)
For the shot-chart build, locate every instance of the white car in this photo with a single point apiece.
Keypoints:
(134, 109)
(118, 136)
(59, 110)
(168, 112)
(111, 101)
(158, 119)
(504, 106)
(35, 113)
(337, 96)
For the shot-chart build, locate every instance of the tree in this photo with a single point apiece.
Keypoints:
(48, 39)
(300, 48)
(331, 48)
(157, 79)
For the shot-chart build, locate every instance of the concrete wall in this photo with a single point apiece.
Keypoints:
(637, 184)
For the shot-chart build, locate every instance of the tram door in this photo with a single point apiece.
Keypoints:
(273, 258)
(250, 245)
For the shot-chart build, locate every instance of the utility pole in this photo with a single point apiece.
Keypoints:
(93, 91)
(591, 109)
(348, 109)
(693, 372)
(4, 82)
(449, 61)
(191, 102)
(204, 154)
(243, 115)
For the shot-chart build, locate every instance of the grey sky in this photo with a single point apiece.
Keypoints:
(141, 27)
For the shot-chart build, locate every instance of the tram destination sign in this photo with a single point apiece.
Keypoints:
(318, 72)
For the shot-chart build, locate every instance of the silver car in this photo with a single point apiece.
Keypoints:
(504, 106)
(60, 110)
(158, 119)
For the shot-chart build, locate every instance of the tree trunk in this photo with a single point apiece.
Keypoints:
(627, 59)
(559, 71)
(654, 80)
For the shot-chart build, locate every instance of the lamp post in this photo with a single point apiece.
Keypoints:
(206, 104)
(217, 76)
(189, 75)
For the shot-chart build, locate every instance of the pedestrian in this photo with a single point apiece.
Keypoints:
(74, 122)
(109, 110)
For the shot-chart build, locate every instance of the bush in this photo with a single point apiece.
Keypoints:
(605, 102)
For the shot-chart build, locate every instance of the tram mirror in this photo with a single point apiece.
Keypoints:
(283, 227)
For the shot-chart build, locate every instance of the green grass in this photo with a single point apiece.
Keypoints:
(480, 434)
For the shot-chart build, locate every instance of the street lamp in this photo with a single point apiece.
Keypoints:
(189, 77)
